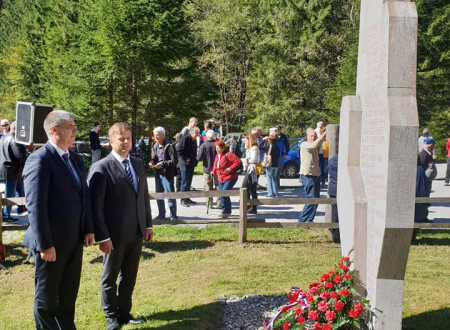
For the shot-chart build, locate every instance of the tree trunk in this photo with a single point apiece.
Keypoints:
(111, 100)
(133, 104)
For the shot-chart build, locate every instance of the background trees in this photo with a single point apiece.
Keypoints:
(243, 62)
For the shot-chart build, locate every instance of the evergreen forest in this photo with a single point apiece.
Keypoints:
(243, 62)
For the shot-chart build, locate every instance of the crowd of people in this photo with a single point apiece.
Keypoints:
(67, 209)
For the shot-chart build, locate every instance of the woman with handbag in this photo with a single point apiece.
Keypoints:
(225, 166)
(250, 160)
(270, 162)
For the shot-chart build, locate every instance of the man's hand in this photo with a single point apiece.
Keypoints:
(228, 169)
(49, 254)
(158, 166)
(106, 247)
(89, 239)
(148, 236)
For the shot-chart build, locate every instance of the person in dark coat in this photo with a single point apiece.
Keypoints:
(122, 220)
(187, 160)
(332, 192)
(94, 141)
(164, 161)
(206, 154)
(59, 212)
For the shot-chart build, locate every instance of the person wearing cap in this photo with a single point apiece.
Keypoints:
(426, 161)
(94, 141)
(5, 127)
(420, 141)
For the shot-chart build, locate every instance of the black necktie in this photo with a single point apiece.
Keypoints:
(126, 164)
(71, 169)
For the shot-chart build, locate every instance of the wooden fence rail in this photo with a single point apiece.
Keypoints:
(243, 222)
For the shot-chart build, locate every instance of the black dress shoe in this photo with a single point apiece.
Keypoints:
(252, 212)
(190, 201)
(159, 218)
(112, 324)
(130, 320)
(185, 204)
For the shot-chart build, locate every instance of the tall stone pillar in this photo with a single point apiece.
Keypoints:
(378, 156)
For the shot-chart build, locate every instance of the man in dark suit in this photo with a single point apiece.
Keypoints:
(59, 212)
(122, 218)
(94, 141)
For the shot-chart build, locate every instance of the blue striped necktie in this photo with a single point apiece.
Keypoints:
(71, 169)
(126, 164)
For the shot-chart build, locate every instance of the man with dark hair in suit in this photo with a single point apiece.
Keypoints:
(122, 218)
(59, 212)
(94, 141)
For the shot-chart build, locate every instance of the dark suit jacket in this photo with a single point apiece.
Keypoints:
(119, 212)
(58, 212)
(187, 148)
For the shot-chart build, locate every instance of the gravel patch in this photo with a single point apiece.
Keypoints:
(248, 312)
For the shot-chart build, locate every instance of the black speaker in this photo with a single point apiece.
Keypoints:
(30, 118)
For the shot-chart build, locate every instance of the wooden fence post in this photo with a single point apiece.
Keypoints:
(243, 215)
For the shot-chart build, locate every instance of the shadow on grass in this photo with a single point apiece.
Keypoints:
(16, 254)
(433, 237)
(436, 320)
(201, 317)
(163, 247)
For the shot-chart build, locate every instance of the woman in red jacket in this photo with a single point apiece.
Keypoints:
(225, 166)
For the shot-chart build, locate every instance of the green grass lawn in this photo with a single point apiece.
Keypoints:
(184, 271)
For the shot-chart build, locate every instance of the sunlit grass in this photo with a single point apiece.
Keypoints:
(185, 270)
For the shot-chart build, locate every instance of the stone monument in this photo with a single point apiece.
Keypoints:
(378, 157)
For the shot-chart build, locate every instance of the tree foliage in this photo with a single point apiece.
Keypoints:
(244, 62)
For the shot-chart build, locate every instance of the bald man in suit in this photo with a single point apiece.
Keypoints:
(59, 212)
(122, 220)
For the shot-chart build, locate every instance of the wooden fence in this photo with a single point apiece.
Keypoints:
(243, 222)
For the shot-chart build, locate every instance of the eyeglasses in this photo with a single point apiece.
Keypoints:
(5, 125)
(72, 127)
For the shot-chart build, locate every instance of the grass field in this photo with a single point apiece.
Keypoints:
(184, 271)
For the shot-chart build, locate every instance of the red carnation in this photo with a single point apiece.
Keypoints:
(331, 272)
(335, 295)
(325, 295)
(325, 277)
(359, 308)
(346, 259)
(345, 292)
(310, 299)
(313, 315)
(313, 284)
(284, 309)
(330, 316)
(337, 279)
(338, 305)
(286, 325)
(327, 326)
(343, 267)
(301, 320)
(322, 306)
(328, 285)
(298, 312)
(317, 326)
(353, 314)
(348, 276)
(314, 290)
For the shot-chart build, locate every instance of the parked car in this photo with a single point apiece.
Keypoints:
(104, 142)
(291, 164)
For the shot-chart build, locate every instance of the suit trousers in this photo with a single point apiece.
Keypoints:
(56, 291)
(122, 263)
(311, 185)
